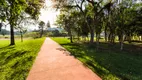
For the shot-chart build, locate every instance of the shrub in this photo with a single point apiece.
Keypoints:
(32, 34)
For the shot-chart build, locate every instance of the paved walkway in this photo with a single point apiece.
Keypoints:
(52, 63)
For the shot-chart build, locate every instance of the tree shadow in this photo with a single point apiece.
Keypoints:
(7, 47)
(17, 60)
(7, 57)
(109, 58)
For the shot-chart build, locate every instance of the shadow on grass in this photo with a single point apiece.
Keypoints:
(10, 53)
(7, 47)
(14, 62)
(109, 60)
(79, 51)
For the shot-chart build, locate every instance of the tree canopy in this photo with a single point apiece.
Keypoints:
(122, 19)
(12, 10)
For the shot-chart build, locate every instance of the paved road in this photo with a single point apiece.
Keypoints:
(54, 63)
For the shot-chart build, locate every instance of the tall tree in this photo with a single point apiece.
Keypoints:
(48, 24)
(100, 15)
(41, 27)
(12, 9)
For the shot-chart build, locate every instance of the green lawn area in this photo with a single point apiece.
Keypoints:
(16, 61)
(108, 63)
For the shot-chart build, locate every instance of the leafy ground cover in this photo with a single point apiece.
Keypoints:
(16, 61)
(109, 62)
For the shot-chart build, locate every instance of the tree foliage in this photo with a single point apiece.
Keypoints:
(48, 24)
(122, 19)
(41, 27)
(12, 10)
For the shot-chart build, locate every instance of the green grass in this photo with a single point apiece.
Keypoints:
(16, 61)
(1, 36)
(108, 63)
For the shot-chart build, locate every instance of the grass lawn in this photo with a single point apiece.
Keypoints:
(108, 63)
(16, 61)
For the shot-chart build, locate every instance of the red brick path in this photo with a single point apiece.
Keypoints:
(52, 64)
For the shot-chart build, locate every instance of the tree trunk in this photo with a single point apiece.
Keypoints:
(70, 35)
(12, 41)
(41, 33)
(129, 38)
(112, 38)
(21, 36)
(121, 42)
(71, 39)
(109, 37)
(106, 34)
(92, 36)
(121, 45)
(97, 40)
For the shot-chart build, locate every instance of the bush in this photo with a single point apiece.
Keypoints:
(32, 34)
(56, 33)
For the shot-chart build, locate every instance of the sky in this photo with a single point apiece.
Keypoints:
(49, 14)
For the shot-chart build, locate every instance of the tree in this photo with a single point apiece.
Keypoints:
(12, 9)
(41, 27)
(65, 20)
(48, 24)
(95, 16)
(0, 26)
(127, 15)
(65, 5)
(22, 30)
